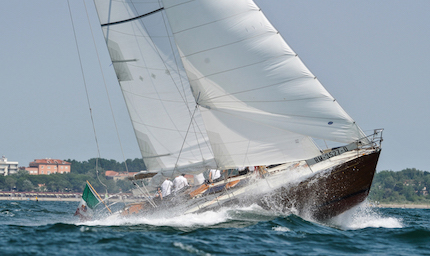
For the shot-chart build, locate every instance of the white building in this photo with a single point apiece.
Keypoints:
(7, 168)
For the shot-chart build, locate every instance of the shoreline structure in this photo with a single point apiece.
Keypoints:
(56, 196)
(76, 197)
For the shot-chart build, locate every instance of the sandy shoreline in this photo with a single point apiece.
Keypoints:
(410, 206)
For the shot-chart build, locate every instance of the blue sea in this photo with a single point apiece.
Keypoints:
(49, 228)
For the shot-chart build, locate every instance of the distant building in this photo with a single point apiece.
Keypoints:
(48, 166)
(424, 191)
(7, 168)
(118, 175)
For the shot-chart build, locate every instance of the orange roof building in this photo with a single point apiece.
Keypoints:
(48, 166)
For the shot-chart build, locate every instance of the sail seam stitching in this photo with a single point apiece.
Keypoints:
(153, 98)
(268, 101)
(215, 21)
(264, 87)
(238, 41)
(289, 115)
(244, 66)
(162, 128)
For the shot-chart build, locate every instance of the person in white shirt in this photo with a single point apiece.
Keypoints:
(166, 187)
(180, 182)
(214, 174)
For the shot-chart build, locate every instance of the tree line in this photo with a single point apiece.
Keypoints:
(75, 180)
(407, 186)
(135, 165)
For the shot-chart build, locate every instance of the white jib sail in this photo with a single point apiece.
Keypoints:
(157, 93)
(259, 102)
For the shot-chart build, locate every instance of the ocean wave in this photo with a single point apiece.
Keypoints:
(364, 216)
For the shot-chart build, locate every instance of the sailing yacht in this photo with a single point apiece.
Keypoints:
(211, 84)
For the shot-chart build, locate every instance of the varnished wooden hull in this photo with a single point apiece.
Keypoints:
(324, 195)
(328, 193)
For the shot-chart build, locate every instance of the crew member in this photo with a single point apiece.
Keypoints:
(166, 187)
(180, 182)
(213, 175)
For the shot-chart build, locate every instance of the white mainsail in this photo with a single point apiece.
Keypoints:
(259, 103)
(157, 93)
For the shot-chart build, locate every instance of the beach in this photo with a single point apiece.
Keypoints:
(398, 205)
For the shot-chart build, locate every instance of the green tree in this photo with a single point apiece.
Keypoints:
(10, 182)
(401, 187)
(27, 185)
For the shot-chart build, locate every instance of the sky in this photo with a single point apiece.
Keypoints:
(372, 56)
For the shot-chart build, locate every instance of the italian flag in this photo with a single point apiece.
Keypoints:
(89, 197)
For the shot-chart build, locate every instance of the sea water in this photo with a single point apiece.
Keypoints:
(49, 228)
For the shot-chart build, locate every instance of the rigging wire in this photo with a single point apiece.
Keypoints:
(106, 89)
(183, 143)
(143, 59)
(147, 194)
(171, 44)
(181, 83)
(86, 91)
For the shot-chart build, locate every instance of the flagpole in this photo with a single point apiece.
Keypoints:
(99, 196)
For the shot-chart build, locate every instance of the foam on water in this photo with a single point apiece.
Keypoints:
(360, 217)
(190, 249)
(205, 219)
(281, 229)
(364, 215)
(208, 218)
